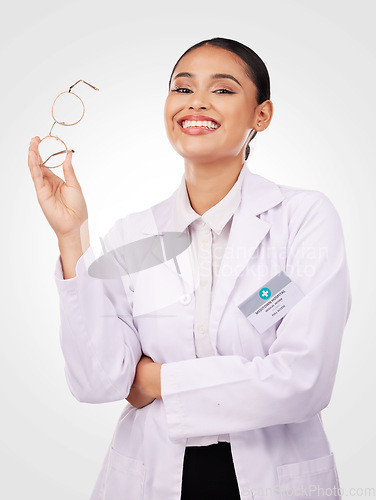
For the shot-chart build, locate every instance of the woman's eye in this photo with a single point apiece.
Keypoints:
(224, 91)
(181, 90)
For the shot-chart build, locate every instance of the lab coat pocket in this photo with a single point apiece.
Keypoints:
(315, 478)
(125, 477)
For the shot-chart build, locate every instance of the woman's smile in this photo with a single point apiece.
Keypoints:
(198, 124)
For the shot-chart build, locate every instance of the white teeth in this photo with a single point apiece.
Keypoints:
(203, 124)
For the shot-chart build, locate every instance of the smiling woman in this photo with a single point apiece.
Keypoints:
(224, 383)
(238, 98)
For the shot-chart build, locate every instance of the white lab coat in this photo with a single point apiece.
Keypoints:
(265, 390)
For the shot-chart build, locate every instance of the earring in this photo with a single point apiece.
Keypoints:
(258, 124)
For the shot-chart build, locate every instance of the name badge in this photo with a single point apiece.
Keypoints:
(271, 302)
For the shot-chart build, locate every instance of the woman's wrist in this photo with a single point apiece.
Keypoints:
(70, 252)
(78, 238)
(72, 246)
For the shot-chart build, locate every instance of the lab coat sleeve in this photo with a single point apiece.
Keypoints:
(99, 341)
(294, 381)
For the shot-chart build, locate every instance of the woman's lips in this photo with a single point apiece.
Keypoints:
(197, 130)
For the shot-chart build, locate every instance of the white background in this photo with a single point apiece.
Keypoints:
(321, 58)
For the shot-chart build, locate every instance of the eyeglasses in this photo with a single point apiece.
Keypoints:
(53, 147)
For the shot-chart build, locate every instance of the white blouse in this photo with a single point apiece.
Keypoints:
(209, 234)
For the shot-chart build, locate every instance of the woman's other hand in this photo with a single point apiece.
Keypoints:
(146, 384)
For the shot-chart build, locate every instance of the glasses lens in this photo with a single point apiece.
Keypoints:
(68, 109)
(53, 150)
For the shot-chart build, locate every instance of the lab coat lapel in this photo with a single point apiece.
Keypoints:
(246, 234)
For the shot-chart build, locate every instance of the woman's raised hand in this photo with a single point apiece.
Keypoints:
(62, 203)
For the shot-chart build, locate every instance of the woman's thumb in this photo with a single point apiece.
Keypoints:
(69, 174)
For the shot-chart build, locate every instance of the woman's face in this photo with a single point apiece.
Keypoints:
(211, 106)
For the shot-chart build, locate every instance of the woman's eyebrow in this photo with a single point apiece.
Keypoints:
(213, 77)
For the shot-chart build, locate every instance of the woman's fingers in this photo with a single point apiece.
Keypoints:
(69, 174)
(33, 162)
(45, 180)
(40, 172)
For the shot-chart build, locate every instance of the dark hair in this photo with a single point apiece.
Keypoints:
(254, 67)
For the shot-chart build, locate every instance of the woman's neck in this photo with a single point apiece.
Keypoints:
(207, 184)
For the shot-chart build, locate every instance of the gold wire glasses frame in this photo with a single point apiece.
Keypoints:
(65, 151)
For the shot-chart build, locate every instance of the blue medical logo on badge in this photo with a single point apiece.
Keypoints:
(265, 293)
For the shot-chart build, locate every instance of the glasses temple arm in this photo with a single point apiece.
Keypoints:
(92, 86)
(59, 153)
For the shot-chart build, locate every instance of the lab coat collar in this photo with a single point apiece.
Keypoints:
(217, 216)
(258, 195)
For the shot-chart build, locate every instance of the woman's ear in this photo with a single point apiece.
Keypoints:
(263, 115)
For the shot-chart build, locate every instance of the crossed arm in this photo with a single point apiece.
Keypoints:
(146, 384)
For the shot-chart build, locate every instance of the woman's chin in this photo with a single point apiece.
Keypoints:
(198, 154)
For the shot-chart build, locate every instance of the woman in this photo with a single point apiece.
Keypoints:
(227, 347)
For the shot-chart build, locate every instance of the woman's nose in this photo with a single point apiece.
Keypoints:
(197, 107)
(198, 101)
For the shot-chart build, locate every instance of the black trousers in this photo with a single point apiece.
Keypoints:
(209, 474)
